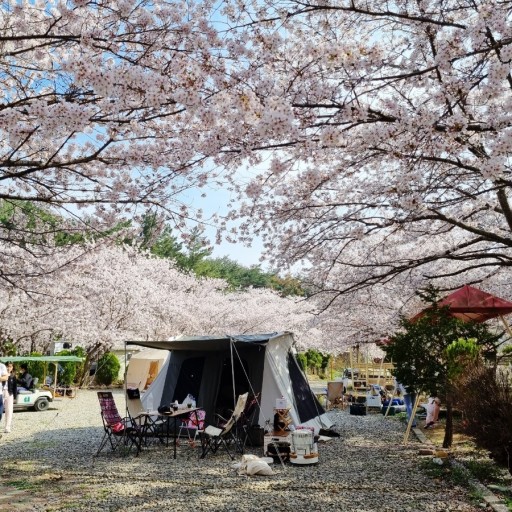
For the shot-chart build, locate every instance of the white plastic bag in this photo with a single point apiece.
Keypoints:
(259, 467)
(253, 465)
(189, 400)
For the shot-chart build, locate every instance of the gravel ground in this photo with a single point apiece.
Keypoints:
(50, 454)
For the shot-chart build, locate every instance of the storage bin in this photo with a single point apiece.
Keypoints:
(358, 409)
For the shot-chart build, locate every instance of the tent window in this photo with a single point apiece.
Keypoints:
(152, 373)
(189, 379)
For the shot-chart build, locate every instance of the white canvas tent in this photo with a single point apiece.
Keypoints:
(144, 366)
(216, 369)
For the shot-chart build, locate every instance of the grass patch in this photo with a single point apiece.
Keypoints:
(460, 476)
(475, 495)
(435, 471)
(486, 471)
(22, 485)
(464, 475)
(508, 502)
(453, 474)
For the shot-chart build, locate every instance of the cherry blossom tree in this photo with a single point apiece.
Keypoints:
(382, 136)
(367, 140)
(114, 294)
(362, 316)
(101, 114)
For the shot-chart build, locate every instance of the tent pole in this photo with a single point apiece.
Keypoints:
(351, 366)
(55, 380)
(393, 393)
(507, 327)
(389, 404)
(232, 372)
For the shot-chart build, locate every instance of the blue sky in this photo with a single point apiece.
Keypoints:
(246, 256)
(215, 203)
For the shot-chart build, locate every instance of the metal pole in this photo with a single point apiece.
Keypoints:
(232, 372)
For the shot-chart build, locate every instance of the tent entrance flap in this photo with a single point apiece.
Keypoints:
(208, 376)
(241, 372)
(308, 407)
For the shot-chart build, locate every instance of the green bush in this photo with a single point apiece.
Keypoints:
(108, 369)
(35, 368)
(485, 397)
(302, 360)
(68, 370)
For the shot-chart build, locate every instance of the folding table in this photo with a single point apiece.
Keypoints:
(146, 420)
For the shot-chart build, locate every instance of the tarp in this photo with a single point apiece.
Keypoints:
(471, 304)
(213, 343)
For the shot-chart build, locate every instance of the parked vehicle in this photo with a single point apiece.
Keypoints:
(36, 399)
(39, 399)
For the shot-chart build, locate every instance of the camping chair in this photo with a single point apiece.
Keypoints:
(335, 395)
(245, 420)
(194, 421)
(117, 430)
(247, 417)
(139, 416)
(214, 437)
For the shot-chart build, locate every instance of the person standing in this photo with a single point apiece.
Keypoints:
(3, 379)
(433, 408)
(10, 394)
(409, 396)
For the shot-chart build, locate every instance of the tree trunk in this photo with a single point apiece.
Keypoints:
(448, 432)
(91, 353)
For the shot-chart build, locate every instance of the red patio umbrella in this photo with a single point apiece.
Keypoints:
(471, 304)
